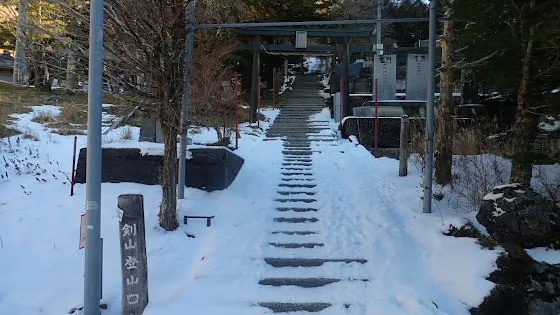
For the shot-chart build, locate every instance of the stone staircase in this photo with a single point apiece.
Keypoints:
(297, 245)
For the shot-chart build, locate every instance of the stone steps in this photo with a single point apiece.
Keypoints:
(307, 262)
(286, 193)
(279, 307)
(295, 220)
(296, 209)
(296, 241)
(298, 185)
(294, 232)
(297, 245)
(298, 282)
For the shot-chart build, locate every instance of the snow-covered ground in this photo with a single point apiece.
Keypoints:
(314, 64)
(549, 124)
(374, 214)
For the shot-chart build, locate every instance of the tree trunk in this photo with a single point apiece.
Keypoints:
(71, 67)
(444, 126)
(525, 123)
(168, 177)
(19, 57)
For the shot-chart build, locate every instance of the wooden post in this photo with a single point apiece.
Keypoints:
(341, 109)
(134, 264)
(259, 104)
(403, 149)
(376, 123)
(273, 88)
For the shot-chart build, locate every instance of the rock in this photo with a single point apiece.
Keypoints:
(516, 214)
(469, 230)
(523, 286)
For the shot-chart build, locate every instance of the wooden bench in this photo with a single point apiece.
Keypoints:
(208, 219)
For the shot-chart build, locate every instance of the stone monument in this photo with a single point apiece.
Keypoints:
(150, 131)
(385, 71)
(417, 77)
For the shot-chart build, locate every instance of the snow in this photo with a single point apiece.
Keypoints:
(324, 95)
(511, 185)
(546, 255)
(288, 81)
(497, 211)
(367, 211)
(492, 196)
(314, 64)
(550, 124)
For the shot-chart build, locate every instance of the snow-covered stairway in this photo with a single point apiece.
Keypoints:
(303, 272)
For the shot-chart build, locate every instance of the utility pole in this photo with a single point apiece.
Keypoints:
(92, 278)
(375, 50)
(19, 57)
(186, 97)
(378, 26)
(430, 105)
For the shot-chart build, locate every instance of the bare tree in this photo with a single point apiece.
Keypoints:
(444, 122)
(147, 38)
(212, 95)
(19, 58)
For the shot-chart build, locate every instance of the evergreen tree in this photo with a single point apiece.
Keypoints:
(524, 36)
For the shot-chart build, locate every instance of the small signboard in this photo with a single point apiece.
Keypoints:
(83, 228)
(301, 39)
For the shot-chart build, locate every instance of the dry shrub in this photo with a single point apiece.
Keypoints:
(43, 117)
(126, 133)
(467, 141)
(69, 132)
(546, 181)
(417, 149)
(475, 170)
(212, 91)
(27, 133)
(474, 176)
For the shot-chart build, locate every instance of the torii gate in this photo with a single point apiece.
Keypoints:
(345, 49)
(253, 29)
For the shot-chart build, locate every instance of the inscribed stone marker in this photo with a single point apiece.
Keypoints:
(417, 77)
(385, 71)
(134, 264)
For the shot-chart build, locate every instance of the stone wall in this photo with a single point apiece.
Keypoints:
(209, 168)
(363, 128)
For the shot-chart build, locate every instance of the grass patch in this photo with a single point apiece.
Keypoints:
(28, 134)
(17, 99)
(75, 114)
(7, 131)
(69, 132)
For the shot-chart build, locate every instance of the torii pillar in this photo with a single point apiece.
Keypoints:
(255, 79)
